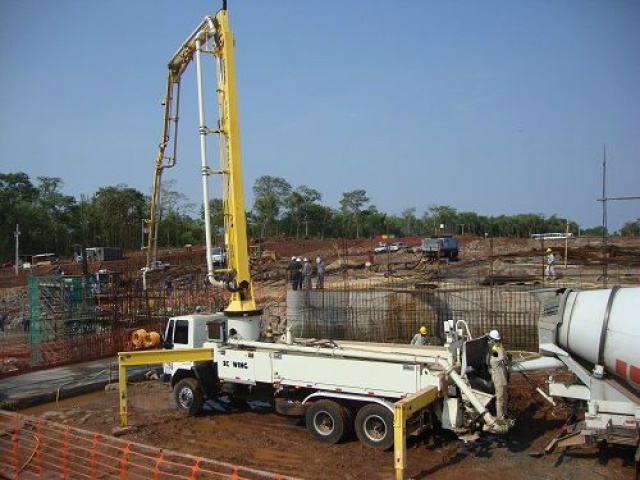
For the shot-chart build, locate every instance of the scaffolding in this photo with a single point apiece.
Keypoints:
(59, 308)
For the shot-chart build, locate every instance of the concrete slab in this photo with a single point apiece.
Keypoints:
(44, 386)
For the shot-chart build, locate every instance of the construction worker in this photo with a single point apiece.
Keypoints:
(498, 369)
(291, 268)
(298, 273)
(421, 337)
(320, 268)
(551, 265)
(306, 274)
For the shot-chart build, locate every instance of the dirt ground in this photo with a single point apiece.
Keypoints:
(257, 437)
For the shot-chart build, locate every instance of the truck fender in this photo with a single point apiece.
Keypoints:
(179, 375)
(350, 396)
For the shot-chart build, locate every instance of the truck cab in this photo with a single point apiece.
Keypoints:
(183, 332)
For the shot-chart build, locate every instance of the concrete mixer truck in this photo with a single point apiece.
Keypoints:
(595, 334)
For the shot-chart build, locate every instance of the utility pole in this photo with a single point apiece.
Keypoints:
(566, 245)
(17, 235)
(605, 257)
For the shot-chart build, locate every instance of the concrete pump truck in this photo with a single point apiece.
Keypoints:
(382, 391)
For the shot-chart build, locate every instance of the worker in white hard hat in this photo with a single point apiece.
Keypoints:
(294, 269)
(299, 276)
(306, 274)
(320, 269)
(497, 364)
(550, 271)
(421, 338)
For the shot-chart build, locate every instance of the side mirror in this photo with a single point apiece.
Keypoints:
(166, 344)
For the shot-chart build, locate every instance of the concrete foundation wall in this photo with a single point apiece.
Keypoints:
(396, 315)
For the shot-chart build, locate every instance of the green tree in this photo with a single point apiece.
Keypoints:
(443, 215)
(351, 206)
(597, 231)
(114, 216)
(17, 196)
(410, 221)
(55, 210)
(298, 204)
(269, 193)
(631, 228)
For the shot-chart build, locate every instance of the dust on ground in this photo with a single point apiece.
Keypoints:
(254, 436)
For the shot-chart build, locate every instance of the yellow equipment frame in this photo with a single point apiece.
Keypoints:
(152, 357)
(402, 411)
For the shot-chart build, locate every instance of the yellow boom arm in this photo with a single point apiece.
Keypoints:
(236, 277)
(235, 221)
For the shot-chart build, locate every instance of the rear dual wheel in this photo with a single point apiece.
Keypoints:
(374, 426)
(328, 421)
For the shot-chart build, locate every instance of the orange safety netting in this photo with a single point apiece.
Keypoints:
(34, 448)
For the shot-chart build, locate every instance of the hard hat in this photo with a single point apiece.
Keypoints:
(293, 258)
(494, 335)
(318, 260)
(306, 259)
(298, 259)
(549, 250)
(423, 330)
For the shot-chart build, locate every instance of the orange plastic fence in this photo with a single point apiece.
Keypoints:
(34, 448)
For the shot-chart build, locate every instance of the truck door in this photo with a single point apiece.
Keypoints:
(177, 336)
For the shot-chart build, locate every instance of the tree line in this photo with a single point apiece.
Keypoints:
(51, 221)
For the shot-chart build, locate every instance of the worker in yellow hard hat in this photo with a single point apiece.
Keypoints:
(421, 338)
(550, 271)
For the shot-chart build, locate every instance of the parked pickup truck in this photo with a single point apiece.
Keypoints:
(381, 248)
(440, 247)
(396, 247)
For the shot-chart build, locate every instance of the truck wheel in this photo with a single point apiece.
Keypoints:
(374, 426)
(188, 396)
(327, 421)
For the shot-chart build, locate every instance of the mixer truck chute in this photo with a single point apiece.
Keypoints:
(595, 334)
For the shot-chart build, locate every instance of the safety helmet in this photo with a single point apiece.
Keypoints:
(549, 250)
(423, 330)
(293, 258)
(306, 259)
(494, 335)
(298, 259)
(318, 260)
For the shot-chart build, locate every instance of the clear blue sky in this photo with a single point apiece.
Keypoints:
(492, 106)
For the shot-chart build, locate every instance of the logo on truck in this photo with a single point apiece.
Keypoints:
(234, 364)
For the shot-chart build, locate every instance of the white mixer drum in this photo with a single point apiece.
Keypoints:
(603, 327)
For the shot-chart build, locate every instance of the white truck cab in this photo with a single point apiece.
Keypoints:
(186, 331)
